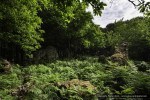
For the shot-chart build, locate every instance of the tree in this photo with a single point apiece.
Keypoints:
(143, 6)
(20, 23)
(135, 32)
(70, 28)
(97, 5)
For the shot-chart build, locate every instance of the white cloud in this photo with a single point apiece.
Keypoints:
(116, 10)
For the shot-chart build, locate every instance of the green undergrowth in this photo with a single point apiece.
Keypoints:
(78, 79)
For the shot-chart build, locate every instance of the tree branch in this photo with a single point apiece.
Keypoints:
(133, 3)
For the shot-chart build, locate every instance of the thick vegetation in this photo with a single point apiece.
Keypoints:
(135, 33)
(21, 22)
(52, 38)
(74, 80)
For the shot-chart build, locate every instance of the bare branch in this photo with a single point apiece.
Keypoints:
(141, 2)
(133, 2)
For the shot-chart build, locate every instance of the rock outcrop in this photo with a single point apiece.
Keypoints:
(45, 55)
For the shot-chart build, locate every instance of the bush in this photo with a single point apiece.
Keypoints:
(46, 81)
(72, 80)
(76, 89)
(142, 66)
(102, 59)
(141, 83)
(9, 83)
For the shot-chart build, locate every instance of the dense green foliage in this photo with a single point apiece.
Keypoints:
(135, 32)
(73, 79)
(21, 24)
(70, 29)
(65, 29)
(64, 23)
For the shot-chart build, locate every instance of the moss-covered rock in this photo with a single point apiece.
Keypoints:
(76, 87)
(119, 58)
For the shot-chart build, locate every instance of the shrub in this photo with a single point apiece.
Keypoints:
(141, 83)
(9, 83)
(72, 80)
(142, 66)
(76, 89)
(102, 59)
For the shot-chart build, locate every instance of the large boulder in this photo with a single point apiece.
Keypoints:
(45, 55)
(76, 83)
(119, 58)
(122, 49)
(120, 55)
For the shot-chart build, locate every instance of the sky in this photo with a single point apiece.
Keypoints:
(115, 10)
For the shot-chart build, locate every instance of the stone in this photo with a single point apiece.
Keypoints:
(46, 55)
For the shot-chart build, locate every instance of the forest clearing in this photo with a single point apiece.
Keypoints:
(52, 50)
